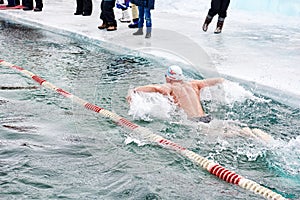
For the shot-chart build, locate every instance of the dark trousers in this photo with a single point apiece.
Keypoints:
(29, 3)
(107, 12)
(219, 7)
(13, 2)
(84, 6)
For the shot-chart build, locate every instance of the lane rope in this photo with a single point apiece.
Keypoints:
(209, 165)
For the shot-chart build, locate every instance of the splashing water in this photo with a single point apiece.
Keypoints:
(285, 157)
(230, 92)
(146, 106)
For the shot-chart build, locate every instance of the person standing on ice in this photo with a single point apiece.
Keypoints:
(135, 16)
(11, 3)
(217, 7)
(29, 5)
(144, 7)
(124, 5)
(108, 16)
(84, 7)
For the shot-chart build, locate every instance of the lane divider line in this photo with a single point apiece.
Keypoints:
(209, 165)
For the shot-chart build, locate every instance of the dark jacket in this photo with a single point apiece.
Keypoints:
(144, 3)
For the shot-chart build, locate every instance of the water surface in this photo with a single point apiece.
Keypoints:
(54, 149)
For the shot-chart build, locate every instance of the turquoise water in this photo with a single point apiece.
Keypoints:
(287, 7)
(54, 149)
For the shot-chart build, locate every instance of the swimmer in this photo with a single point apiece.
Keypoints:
(185, 94)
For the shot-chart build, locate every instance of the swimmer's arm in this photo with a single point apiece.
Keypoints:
(152, 88)
(208, 82)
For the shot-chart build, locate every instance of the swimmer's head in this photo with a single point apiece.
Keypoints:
(174, 72)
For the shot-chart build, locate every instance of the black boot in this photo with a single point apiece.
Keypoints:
(78, 12)
(27, 8)
(134, 24)
(87, 13)
(206, 23)
(219, 25)
(1, 2)
(36, 9)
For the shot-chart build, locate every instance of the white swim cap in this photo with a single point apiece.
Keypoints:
(174, 72)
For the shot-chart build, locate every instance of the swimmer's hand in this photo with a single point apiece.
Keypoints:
(129, 98)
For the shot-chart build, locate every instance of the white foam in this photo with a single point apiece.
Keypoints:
(130, 140)
(228, 93)
(286, 155)
(147, 106)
